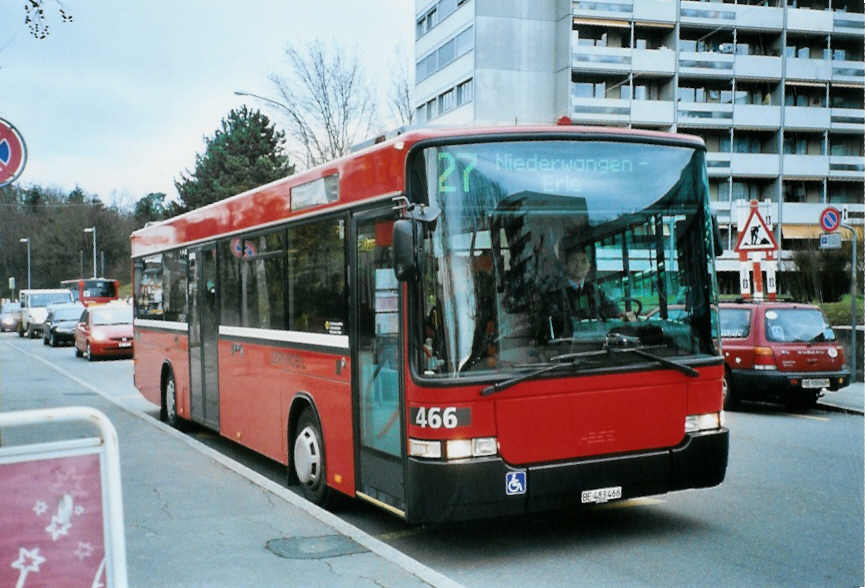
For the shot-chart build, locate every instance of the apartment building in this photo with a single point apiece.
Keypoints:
(775, 90)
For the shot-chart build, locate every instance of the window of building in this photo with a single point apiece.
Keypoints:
(464, 92)
(447, 52)
(447, 101)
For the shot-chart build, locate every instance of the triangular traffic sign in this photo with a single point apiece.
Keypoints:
(755, 234)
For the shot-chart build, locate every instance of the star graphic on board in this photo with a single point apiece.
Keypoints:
(28, 561)
(83, 551)
(57, 527)
(40, 508)
(69, 482)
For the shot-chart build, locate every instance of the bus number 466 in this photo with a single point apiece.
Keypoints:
(435, 417)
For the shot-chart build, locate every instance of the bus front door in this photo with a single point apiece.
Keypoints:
(203, 321)
(378, 399)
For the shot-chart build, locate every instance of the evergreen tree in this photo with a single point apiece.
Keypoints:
(247, 151)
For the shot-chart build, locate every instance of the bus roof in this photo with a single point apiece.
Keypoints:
(375, 171)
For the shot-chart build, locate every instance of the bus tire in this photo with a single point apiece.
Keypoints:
(730, 398)
(168, 414)
(308, 459)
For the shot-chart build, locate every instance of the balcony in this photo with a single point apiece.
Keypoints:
(848, 72)
(718, 164)
(806, 166)
(711, 15)
(706, 65)
(654, 61)
(705, 115)
(757, 116)
(759, 18)
(809, 213)
(600, 110)
(757, 67)
(662, 11)
(652, 112)
(806, 118)
(848, 120)
(809, 21)
(848, 23)
(755, 165)
(605, 9)
(601, 59)
(842, 167)
(812, 70)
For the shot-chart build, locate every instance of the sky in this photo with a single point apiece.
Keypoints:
(118, 101)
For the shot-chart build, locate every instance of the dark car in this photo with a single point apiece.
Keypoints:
(60, 323)
(10, 316)
(780, 351)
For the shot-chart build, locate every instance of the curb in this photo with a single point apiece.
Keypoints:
(839, 408)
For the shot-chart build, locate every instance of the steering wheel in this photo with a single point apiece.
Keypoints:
(637, 300)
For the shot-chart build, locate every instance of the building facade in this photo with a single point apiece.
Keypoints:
(775, 90)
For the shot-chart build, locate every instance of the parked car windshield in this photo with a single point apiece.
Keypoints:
(66, 314)
(10, 306)
(49, 298)
(112, 316)
(804, 325)
(735, 322)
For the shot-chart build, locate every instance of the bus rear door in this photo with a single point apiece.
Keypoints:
(203, 334)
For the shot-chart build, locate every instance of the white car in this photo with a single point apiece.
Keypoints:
(34, 309)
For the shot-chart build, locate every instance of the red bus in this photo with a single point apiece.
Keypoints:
(92, 291)
(396, 325)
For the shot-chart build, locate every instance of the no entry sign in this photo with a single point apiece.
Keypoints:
(13, 153)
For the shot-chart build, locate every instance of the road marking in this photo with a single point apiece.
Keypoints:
(394, 535)
(808, 416)
(377, 546)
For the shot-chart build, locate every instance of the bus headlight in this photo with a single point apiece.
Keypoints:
(703, 422)
(454, 448)
(425, 449)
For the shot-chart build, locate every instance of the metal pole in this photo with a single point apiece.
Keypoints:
(94, 252)
(28, 264)
(81, 264)
(102, 261)
(852, 306)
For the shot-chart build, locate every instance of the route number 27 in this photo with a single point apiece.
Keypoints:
(436, 418)
(467, 163)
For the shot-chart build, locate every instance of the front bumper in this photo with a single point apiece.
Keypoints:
(476, 488)
(109, 349)
(752, 382)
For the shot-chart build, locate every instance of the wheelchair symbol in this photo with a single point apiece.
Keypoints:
(515, 483)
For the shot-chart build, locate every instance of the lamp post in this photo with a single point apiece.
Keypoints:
(27, 240)
(93, 230)
(270, 100)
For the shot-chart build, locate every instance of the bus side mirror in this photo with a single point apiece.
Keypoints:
(404, 260)
(716, 236)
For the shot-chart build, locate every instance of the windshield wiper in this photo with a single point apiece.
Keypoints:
(566, 360)
(641, 351)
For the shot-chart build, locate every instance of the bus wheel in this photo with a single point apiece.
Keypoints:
(731, 402)
(308, 459)
(169, 403)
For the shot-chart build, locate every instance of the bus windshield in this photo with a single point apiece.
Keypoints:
(99, 289)
(594, 252)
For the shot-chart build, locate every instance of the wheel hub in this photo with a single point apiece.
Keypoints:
(170, 408)
(307, 457)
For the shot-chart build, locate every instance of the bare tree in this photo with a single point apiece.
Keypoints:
(34, 17)
(326, 100)
(400, 95)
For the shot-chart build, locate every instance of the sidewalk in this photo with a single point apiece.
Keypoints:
(850, 398)
(196, 518)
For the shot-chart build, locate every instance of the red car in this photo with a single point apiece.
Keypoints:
(779, 351)
(104, 331)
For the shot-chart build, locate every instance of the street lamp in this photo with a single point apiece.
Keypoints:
(27, 240)
(270, 100)
(93, 230)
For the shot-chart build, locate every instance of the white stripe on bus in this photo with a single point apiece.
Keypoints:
(320, 339)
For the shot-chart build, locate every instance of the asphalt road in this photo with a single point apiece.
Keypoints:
(789, 514)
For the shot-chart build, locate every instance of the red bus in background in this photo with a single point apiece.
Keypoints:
(399, 326)
(92, 290)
